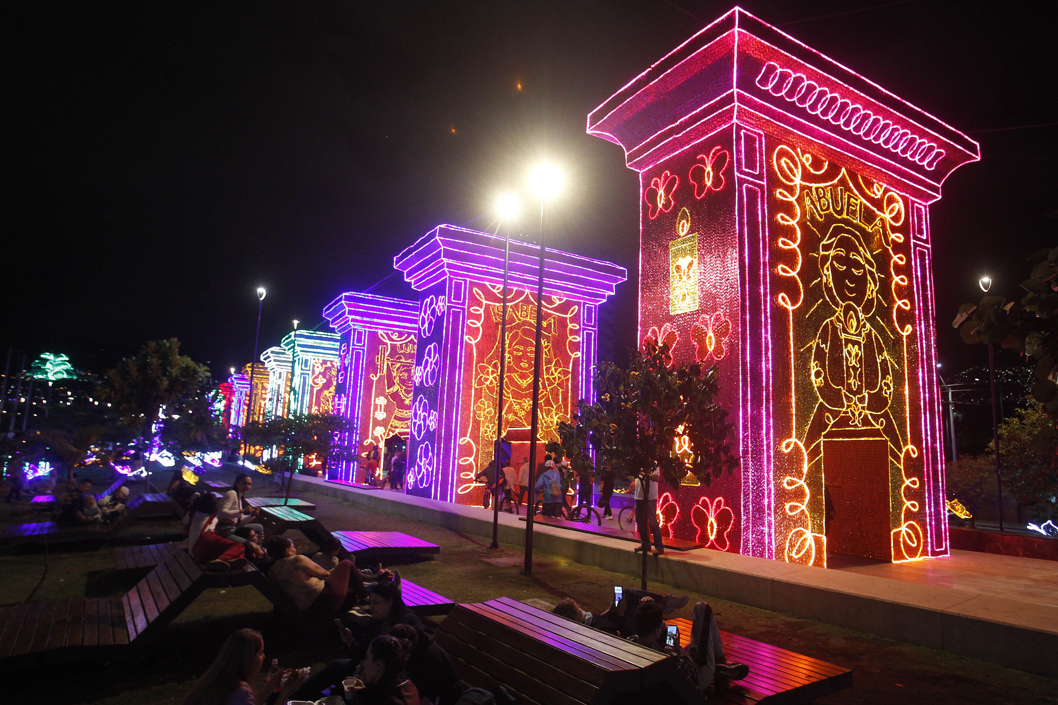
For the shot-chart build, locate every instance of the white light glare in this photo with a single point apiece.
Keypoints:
(546, 181)
(507, 206)
(261, 293)
(985, 283)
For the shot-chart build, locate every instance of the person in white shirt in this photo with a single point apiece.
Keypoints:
(234, 513)
(646, 497)
(521, 491)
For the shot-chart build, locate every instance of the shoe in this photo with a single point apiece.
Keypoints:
(732, 671)
(672, 603)
(237, 564)
(215, 566)
(639, 549)
(658, 552)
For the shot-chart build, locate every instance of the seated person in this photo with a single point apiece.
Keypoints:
(318, 593)
(91, 509)
(73, 505)
(113, 505)
(203, 543)
(255, 552)
(230, 680)
(428, 666)
(234, 512)
(182, 491)
(703, 658)
(607, 621)
(327, 556)
(382, 673)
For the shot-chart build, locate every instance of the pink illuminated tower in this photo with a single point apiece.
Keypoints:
(785, 238)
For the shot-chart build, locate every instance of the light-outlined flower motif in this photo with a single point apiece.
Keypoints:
(666, 336)
(713, 521)
(710, 336)
(420, 414)
(709, 175)
(659, 195)
(432, 308)
(422, 473)
(431, 360)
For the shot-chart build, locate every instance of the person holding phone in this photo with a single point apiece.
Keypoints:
(702, 661)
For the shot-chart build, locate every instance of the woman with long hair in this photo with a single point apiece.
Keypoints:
(229, 681)
(382, 673)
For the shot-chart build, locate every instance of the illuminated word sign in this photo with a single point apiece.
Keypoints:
(784, 239)
(375, 372)
(455, 402)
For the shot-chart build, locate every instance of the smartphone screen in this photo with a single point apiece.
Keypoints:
(618, 593)
(673, 635)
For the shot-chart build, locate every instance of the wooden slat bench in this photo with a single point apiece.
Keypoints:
(776, 676)
(217, 485)
(370, 544)
(44, 530)
(46, 500)
(145, 556)
(278, 520)
(543, 659)
(153, 504)
(302, 505)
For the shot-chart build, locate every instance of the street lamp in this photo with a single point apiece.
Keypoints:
(985, 283)
(507, 208)
(253, 360)
(546, 182)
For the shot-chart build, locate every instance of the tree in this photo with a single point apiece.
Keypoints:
(1029, 327)
(294, 438)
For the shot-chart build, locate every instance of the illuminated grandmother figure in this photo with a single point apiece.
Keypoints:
(459, 276)
(785, 238)
(375, 360)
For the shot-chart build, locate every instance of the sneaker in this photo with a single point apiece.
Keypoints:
(237, 564)
(673, 603)
(658, 552)
(732, 671)
(215, 566)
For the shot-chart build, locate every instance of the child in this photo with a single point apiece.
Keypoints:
(91, 509)
(327, 557)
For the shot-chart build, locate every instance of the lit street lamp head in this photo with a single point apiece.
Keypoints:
(507, 207)
(296, 321)
(985, 283)
(261, 293)
(546, 181)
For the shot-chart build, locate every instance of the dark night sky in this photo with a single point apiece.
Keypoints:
(169, 158)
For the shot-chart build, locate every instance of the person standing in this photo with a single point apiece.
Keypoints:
(489, 475)
(522, 485)
(646, 497)
(550, 485)
(606, 494)
(18, 479)
(398, 467)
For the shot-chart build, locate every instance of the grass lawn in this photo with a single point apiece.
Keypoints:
(885, 671)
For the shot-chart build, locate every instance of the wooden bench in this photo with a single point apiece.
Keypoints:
(543, 659)
(46, 530)
(302, 505)
(371, 544)
(279, 520)
(145, 556)
(776, 676)
(217, 485)
(153, 505)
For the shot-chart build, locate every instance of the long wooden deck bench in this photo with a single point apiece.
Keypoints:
(776, 676)
(46, 530)
(45, 501)
(144, 556)
(370, 544)
(153, 504)
(543, 659)
(302, 505)
(278, 520)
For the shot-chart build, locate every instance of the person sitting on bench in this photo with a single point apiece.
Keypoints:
(113, 506)
(318, 593)
(205, 546)
(72, 512)
(428, 665)
(619, 618)
(230, 679)
(382, 673)
(703, 658)
(235, 513)
(327, 556)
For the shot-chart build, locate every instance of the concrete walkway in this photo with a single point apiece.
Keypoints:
(997, 608)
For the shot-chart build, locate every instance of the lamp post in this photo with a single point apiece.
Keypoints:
(951, 413)
(253, 360)
(546, 182)
(986, 283)
(507, 207)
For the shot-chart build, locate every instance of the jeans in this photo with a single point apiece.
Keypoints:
(227, 531)
(647, 523)
(705, 647)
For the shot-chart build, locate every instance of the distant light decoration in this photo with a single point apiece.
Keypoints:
(1048, 528)
(459, 276)
(189, 475)
(375, 368)
(164, 458)
(314, 362)
(35, 470)
(278, 362)
(796, 257)
(52, 367)
(958, 509)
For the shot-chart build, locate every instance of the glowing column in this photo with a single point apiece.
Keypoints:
(278, 363)
(259, 381)
(314, 362)
(785, 238)
(459, 276)
(240, 393)
(376, 357)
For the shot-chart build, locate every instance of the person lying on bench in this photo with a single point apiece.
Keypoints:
(619, 617)
(318, 593)
(702, 659)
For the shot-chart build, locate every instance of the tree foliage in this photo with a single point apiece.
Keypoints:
(642, 411)
(1029, 326)
(300, 436)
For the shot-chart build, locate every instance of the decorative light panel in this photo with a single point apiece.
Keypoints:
(784, 238)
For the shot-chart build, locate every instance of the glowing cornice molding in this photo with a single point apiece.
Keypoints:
(449, 251)
(370, 312)
(740, 61)
(311, 343)
(277, 359)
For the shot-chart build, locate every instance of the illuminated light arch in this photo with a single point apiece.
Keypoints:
(824, 168)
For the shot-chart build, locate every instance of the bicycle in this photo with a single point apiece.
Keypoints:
(626, 519)
(583, 512)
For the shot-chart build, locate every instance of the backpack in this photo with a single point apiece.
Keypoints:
(556, 489)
